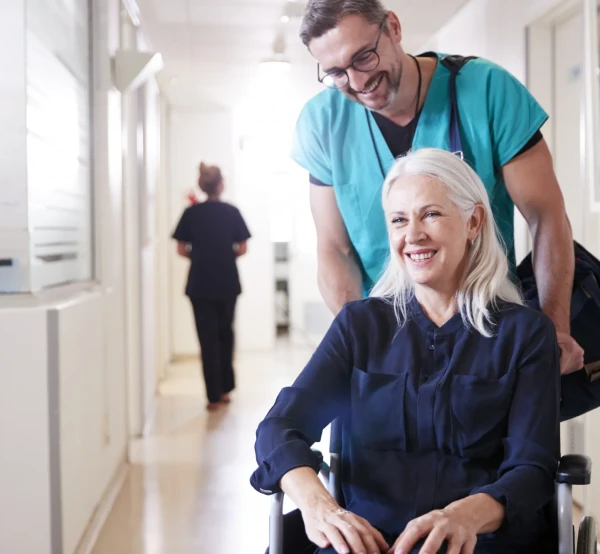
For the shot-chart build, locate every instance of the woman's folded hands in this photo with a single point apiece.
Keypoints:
(329, 525)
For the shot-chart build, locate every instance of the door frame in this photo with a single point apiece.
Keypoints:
(591, 100)
(540, 81)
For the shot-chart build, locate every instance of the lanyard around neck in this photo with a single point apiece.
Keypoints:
(415, 116)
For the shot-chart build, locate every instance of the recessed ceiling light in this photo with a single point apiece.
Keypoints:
(275, 64)
(285, 19)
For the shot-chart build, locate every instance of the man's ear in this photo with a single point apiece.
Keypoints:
(394, 27)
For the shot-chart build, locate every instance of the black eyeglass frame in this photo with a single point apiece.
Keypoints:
(352, 65)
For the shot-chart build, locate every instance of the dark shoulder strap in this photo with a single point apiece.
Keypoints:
(454, 64)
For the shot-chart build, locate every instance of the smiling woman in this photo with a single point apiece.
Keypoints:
(443, 239)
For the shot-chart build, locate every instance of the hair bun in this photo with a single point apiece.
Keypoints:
(210, 178)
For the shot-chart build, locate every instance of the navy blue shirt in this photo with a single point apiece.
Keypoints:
(432, 415)
(212, 229)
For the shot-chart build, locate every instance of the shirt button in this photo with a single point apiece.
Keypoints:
(431, 347)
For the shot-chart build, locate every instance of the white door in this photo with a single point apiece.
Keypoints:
(568, 97)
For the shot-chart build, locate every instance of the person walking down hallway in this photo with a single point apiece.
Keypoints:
(213, 234)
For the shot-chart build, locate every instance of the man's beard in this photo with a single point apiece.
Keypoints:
(393, 79)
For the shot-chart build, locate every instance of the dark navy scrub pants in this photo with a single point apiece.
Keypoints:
(214, 324)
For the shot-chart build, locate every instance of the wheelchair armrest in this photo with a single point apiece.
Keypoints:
(319, 455)
(574, 469)
(323, 467)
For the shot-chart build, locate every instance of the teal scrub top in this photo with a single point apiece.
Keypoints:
(332, 142)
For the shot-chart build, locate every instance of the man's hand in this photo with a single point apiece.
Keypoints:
(571, 354)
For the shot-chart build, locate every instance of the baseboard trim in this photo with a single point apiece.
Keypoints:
(94, 528)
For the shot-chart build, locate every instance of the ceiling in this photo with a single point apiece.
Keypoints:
(212, 48)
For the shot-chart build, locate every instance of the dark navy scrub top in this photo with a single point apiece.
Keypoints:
(436, 414)
(212, 228)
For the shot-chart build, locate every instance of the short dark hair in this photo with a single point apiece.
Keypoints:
(321, 16)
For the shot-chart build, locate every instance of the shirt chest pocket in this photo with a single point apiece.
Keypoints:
(378, 420)
(479, 408)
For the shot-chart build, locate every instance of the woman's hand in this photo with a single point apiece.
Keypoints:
(458, 525)
(438, 526)
(329, 525)
(326, 523)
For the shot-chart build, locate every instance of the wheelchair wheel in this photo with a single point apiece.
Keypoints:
(586, 540)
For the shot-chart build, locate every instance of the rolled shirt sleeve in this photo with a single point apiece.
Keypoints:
(301, 412)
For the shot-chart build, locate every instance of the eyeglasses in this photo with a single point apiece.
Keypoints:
(365, 61)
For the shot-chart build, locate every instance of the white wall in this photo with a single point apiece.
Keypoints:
(64, 383)
(164, 250)
(150, 248)
(255, 315)
(265, 119)
(92, 395)
(309, 316)
(494, 29)
(25, 452)
(131, 229)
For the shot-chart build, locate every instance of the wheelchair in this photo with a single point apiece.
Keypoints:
(573, 469)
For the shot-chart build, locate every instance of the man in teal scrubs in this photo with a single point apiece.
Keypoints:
(380, 102)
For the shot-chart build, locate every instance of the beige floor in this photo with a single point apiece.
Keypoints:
(188, 490)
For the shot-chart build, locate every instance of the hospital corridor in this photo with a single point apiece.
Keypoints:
(187, 489)
(196, 199)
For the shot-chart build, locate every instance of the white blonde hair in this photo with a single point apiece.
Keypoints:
(486, 280)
